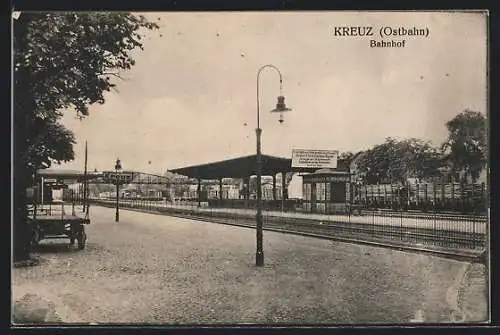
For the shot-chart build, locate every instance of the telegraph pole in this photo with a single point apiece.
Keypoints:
(85, 179)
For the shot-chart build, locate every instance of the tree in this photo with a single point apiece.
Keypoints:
(397, 160)
(345, 160)
(466, 146)
(347, 157)
(48, 141)
(376, 163)
(419, 159)
(62, 61)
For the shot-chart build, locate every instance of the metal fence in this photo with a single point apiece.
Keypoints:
(397, 228)
(456, 197)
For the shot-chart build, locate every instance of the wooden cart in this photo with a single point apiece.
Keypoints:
(59, 220)
(62, 218)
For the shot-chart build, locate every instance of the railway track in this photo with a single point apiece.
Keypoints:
(462, 245)
(430, 215)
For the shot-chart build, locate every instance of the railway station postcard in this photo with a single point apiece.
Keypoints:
(251, 168)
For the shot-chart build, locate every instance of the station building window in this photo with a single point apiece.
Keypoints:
(307, 191)
(321, 191)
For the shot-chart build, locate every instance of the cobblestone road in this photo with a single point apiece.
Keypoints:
(157, 269)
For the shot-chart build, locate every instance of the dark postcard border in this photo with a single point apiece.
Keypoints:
(198, 5)
(493, 104)
(494, 56)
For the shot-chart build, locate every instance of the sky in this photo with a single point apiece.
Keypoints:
(191, 97)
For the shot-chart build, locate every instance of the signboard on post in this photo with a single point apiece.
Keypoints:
(319, 159)
(50, 180)
(117, 177)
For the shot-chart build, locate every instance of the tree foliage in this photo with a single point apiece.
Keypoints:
(466, 146)
(67, 61)
(71, 57)
(346, 155)
(62, 62)
(397, 160)
(48, 141)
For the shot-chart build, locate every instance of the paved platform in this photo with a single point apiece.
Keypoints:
(160, 269)
(474, 294)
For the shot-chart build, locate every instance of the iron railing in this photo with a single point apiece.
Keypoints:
(432, 229)
(453, 197)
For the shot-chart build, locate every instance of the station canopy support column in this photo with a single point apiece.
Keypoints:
(283, 189)
(274, 186)
(220, 192)
(199, 192)
(246, 190)
(242, 168)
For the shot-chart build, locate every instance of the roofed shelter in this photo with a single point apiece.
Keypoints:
(242, 168)
(47, 180)
(60, 174)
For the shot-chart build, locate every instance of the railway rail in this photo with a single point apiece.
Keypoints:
(453, 243)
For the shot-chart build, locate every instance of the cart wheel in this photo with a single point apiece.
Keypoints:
(81, 238)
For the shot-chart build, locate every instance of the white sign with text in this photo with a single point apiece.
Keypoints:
(314, 158)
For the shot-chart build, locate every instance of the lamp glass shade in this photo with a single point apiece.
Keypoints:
(281, 106)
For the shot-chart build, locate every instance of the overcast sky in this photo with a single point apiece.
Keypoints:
(191, 98)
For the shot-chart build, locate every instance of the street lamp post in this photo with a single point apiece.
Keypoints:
(118, 167)
(280, 108)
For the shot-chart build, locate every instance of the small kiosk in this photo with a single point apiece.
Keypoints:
(326, 191)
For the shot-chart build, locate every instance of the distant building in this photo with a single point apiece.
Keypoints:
(230, 189)
(267, 190)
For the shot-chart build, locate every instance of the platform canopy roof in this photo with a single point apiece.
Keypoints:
(240, 167)
(64, 174)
